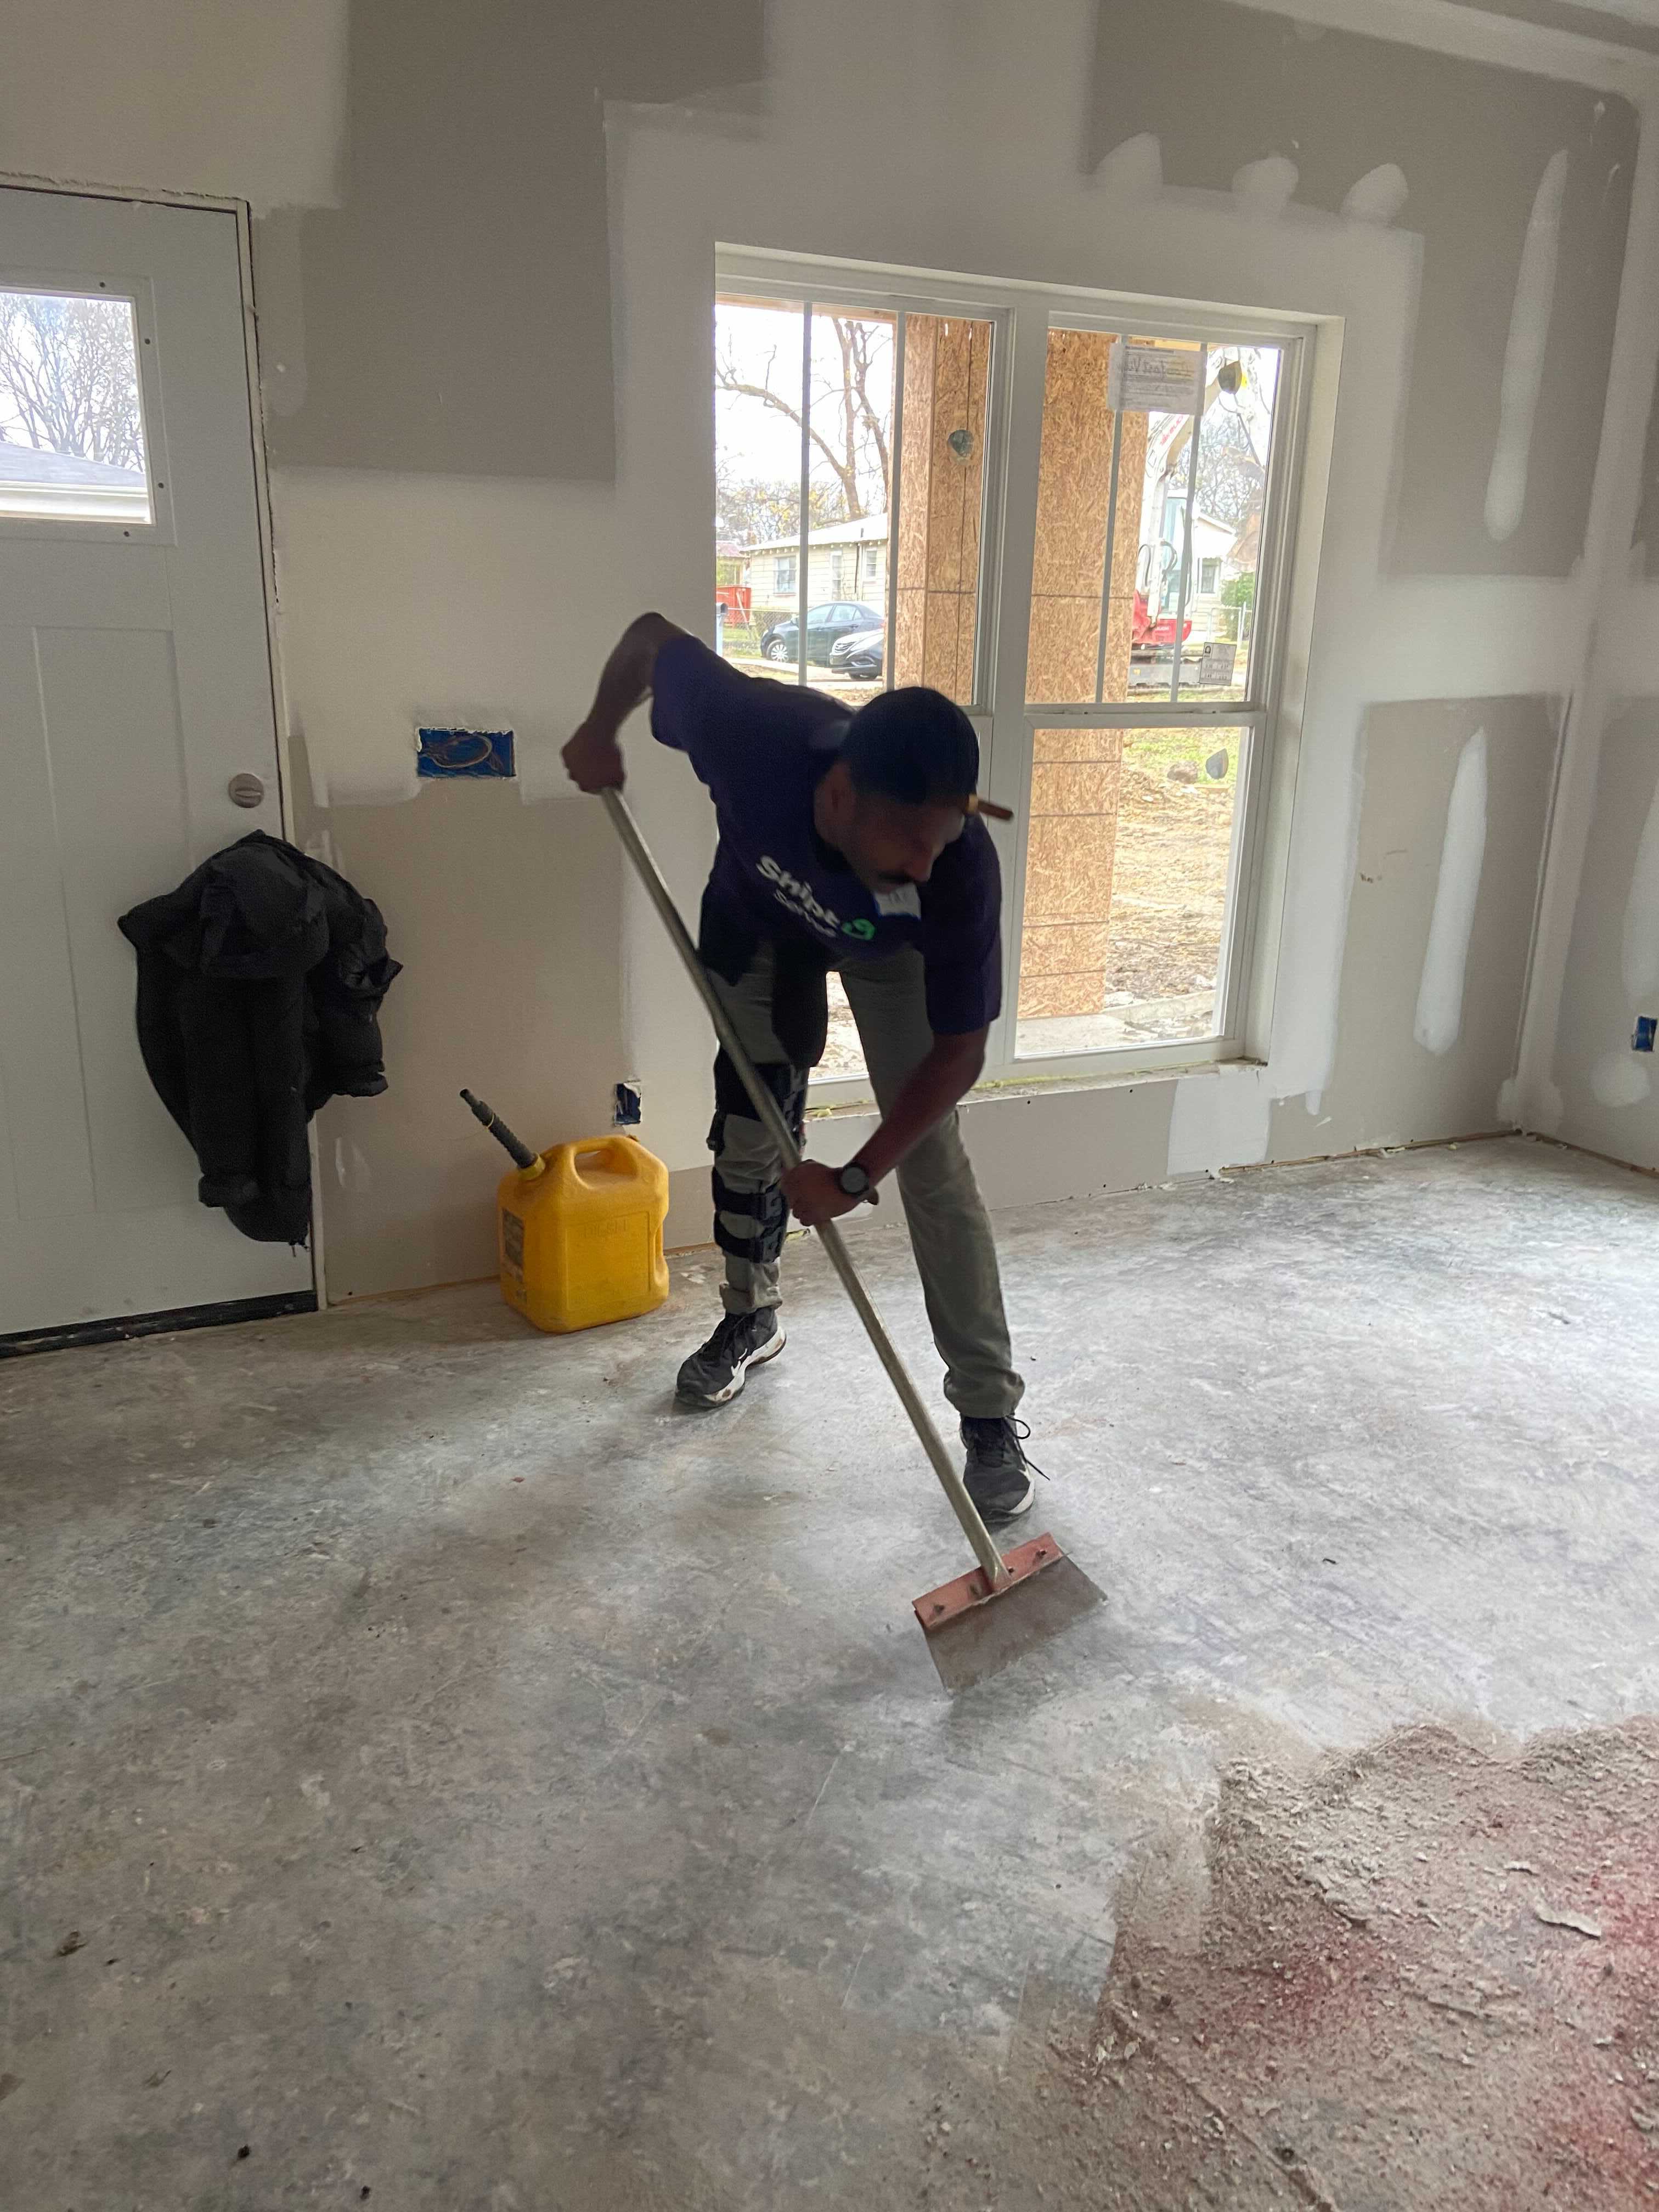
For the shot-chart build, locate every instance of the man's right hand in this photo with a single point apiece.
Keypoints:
(593, 759)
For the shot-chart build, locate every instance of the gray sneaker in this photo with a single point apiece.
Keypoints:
(716, 1372)
(998, 1473)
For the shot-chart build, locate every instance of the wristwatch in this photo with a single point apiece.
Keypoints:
(855, 1182)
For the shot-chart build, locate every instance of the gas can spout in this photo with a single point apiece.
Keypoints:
(524, 1159)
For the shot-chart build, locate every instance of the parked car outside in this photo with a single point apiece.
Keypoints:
(860, 654)
(825, 625)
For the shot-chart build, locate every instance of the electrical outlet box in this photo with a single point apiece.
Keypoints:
(464, 753)
(625, 1113)
(1646, 1026)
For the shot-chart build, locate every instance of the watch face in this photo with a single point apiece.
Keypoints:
(854, 1180)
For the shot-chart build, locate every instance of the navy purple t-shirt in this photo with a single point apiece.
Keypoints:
(761, 747)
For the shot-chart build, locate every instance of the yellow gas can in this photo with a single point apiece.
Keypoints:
(580, 1234)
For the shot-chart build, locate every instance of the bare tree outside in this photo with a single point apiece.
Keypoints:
(69, 377)
(752, 510)
(847, 424)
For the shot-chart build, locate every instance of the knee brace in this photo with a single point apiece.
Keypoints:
(766, 1211)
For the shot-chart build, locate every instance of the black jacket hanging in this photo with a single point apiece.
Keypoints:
(260, 980)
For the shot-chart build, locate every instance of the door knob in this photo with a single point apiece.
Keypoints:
(246, 790)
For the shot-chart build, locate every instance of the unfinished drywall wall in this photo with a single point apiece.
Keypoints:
(1644, 543)
(484, 1000)
(1451, 841)
(214, 96)
(1609, 1094)
(418, 601)
(485, 343)
(451, 316)
(1631, 22)
(1520, 186)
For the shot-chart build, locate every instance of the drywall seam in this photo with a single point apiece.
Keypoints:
(1509, 1095)
(1614, 500)
(1441, 27)
(1639, 958)
(1445, 961)
(1524, 356)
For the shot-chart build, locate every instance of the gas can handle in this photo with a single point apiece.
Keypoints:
(618, 1149)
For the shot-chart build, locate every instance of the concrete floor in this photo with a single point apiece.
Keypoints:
(473, 1782)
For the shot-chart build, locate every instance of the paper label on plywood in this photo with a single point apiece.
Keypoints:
(1144, 380)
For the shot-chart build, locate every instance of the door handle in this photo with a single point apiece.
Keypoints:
(246, 790)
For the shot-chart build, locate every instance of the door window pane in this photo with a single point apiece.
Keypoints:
(71, 427)
(947, 382)
(1127, 872)
(1235, 452)
(757, 433)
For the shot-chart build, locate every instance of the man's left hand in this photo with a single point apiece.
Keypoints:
(814, 1194)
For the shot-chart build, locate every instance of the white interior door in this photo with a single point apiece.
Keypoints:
(135, 684)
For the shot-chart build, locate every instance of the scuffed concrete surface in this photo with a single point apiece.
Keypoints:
(1418, 1975)
(472, 1781)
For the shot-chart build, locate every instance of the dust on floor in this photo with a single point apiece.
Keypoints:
(1422, 1977)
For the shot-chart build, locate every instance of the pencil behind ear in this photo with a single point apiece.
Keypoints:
(975, 805)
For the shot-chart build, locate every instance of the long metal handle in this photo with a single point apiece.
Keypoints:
(772, 1119)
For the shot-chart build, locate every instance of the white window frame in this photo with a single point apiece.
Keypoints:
(1021, 316)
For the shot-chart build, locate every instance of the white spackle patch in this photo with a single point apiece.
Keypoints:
(1618, 1078)
(1267, 186)
(1378, 197)
(1220, 1119)
(1523, 357)
(1509, 1104)
(311, 1787)
(1639, 962)
(1134, 170)
(351, 1170)
(1440, 994)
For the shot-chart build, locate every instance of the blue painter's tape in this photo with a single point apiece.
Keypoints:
(1646, 1026)
(465, 752)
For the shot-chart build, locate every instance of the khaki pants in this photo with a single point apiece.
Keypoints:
(950, 1229)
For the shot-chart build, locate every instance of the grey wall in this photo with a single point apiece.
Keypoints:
(1645, 537)
(1588, 21)
(453, 315)
(1595, 1065)
(1387, 1088)
(1473, 141)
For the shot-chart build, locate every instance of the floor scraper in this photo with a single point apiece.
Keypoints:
(995, 1575)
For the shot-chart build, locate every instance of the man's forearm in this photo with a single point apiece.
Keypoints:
(935, 1085)
(625, 678)
(593, 757)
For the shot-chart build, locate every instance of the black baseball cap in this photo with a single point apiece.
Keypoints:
(915, 745)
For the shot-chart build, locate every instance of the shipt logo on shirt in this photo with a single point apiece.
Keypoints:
(800, 898)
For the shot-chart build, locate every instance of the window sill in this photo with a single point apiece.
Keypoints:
(1021, 1089)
